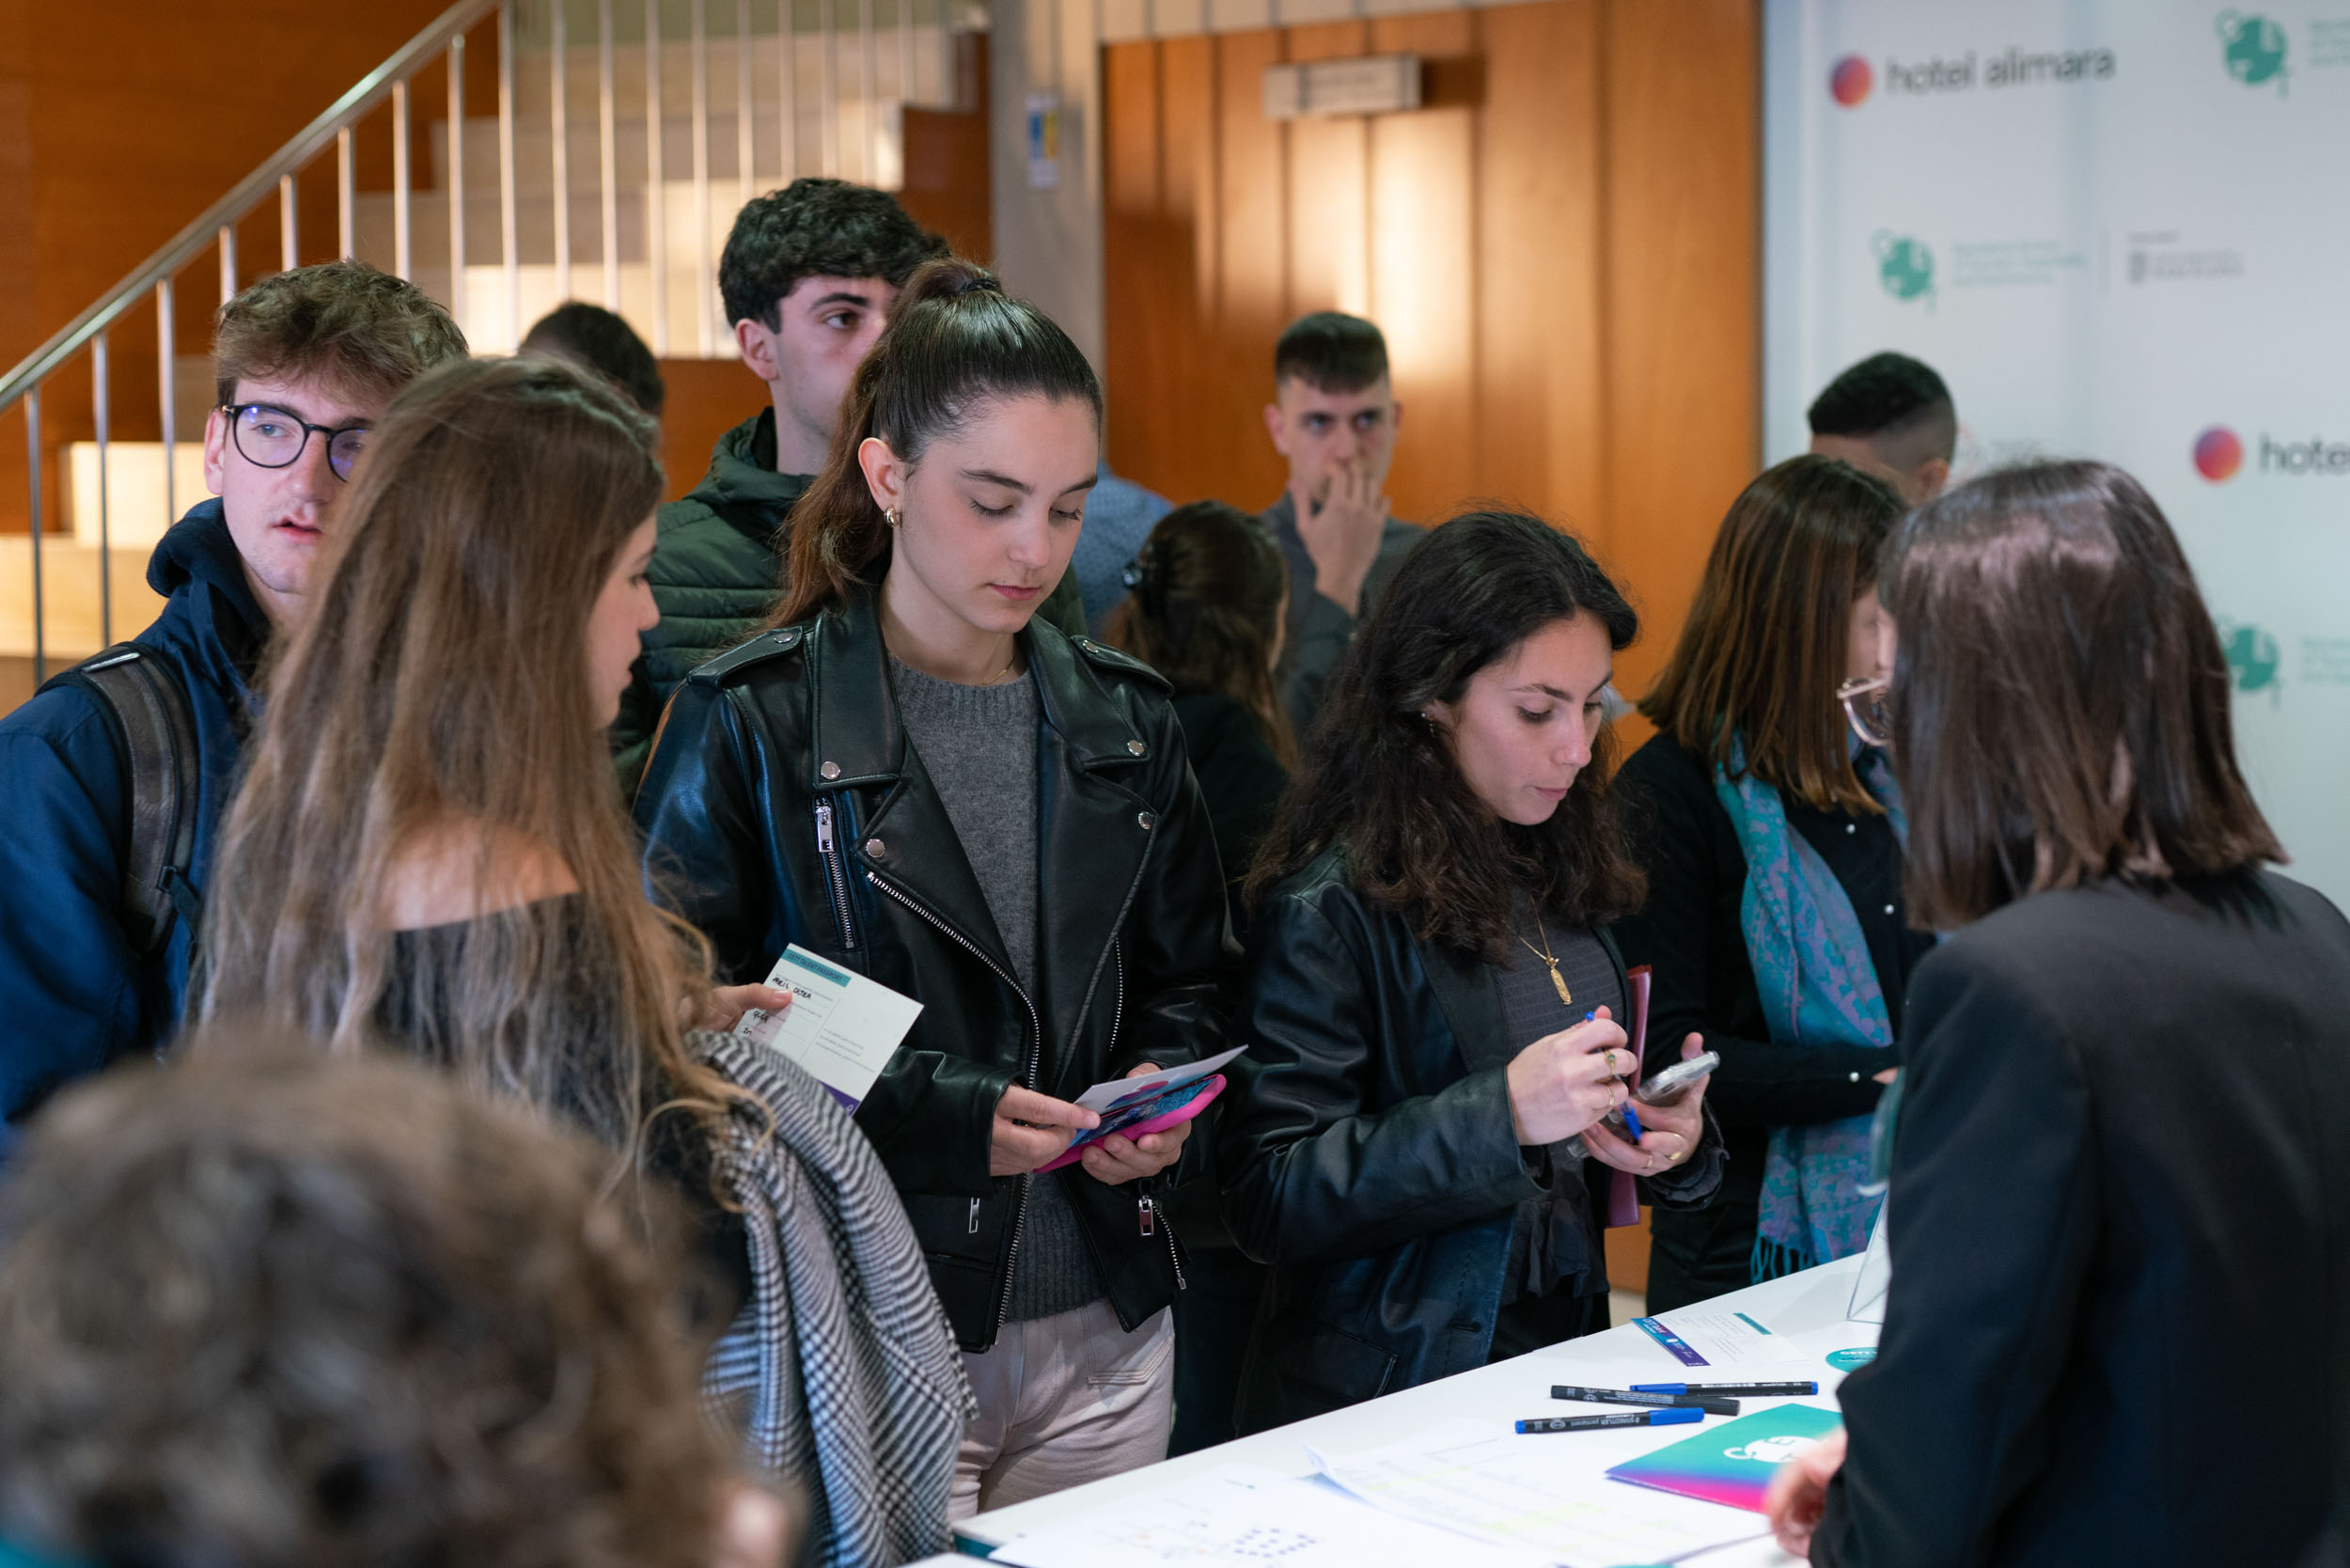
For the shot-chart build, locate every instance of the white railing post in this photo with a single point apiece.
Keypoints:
(346, 196)
(701, 178)
(167, 377)
(560, 96)
(788, 80)
(608, 153)
(866, 61)
(227, 263)
(745, 104)
(656, 170)
(32, 469)
(289, 228)
(403, 263)
(455, 142)
(828, 100)
(97, 400)
(510, 245)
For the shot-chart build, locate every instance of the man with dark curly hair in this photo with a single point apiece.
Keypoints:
(272, 1307)
(808, 276)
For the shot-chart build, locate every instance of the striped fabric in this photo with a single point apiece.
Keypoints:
(841, 1369)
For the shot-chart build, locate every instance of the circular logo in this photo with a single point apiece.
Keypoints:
(1845, 1361)
(2255, 48)
(1905, 266)
(2218, 454)
(1850, 80)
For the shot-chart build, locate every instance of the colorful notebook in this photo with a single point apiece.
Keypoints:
(1731, 1462)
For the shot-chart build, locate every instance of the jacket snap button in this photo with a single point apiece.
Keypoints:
(830, 770)
(876, 850)
(1149, 820)
(1137, 747)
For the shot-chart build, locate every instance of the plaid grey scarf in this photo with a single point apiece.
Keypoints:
(841, 1369)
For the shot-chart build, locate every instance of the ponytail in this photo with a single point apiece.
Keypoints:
(955, 341)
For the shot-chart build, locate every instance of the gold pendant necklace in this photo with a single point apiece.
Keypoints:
(1557, 980)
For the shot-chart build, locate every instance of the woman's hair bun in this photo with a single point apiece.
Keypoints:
(947, 277)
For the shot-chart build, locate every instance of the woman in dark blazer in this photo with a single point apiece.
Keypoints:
(1773, 922)
(1417, 1146)
(2118, 1328)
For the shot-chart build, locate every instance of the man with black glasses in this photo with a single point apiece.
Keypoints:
(114, 777)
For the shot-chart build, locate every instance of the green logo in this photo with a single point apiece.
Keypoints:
(1845, 1361)
(1904, 266)
(2253, 660)
(2255, 49)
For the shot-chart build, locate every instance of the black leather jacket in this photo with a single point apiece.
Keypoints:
(1370, 1154)
(783, 805)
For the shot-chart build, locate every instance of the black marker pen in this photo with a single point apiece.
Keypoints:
(1710, 1404)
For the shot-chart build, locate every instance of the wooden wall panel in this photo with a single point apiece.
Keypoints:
(1538, 400)
(1562, 246)
(1684, 261)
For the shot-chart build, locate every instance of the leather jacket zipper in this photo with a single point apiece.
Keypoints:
(835, 878)
(1035, 1040)
(1147, 1211)
(1117, 1005)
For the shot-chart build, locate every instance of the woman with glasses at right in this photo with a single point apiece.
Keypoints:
(1771, 841)
(2118, 1326)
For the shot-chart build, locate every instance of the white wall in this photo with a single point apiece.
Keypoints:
(2126, 240)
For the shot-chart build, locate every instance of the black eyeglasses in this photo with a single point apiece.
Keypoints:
(271, 437)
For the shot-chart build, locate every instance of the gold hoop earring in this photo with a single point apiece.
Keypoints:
(891, 517)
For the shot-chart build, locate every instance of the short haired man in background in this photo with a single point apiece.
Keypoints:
(1333, 415)
(1891, 415)
(597, 339)
(808, 277)
(306, 362)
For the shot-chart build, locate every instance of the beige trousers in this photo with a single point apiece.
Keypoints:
(1063, 1401)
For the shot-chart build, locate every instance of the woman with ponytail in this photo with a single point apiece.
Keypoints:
(914, 777)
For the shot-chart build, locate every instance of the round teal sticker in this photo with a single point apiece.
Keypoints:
(1845, 1361)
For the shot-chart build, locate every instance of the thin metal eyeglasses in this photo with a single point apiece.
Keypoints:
(273, 437)
(1868, 701)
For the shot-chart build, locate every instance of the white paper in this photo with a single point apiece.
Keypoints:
(1721, 1339)
(1541, 1494)
(840, 1027)
(1876, 1275)
(1103, 1097)
(1246, 1516)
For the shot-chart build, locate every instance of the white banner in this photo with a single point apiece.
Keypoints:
(2121, 230)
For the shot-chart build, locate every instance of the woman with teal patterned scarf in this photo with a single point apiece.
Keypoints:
(1774, 924)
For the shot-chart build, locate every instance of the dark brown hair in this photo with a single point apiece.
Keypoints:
(955, 343)
(2059, 705)
(360, 331)
(1763, 650)
(1209, 591)
(437, 691)
(270, 1309)
(1382, 781)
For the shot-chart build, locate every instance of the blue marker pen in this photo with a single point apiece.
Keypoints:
(1631, 1116)
(1601, 1424)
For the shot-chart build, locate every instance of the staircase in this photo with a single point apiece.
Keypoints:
(555, 187)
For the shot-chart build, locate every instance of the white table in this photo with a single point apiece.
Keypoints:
(1807, 1307)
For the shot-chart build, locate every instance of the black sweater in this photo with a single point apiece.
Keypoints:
(1689, 935)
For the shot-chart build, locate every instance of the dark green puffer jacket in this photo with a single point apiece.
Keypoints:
(717, 566)
(717, 571)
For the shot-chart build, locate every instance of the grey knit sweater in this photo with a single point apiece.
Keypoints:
(979, 745)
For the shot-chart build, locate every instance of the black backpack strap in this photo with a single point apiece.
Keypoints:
(151, 716)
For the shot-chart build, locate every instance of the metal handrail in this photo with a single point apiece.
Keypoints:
(210, 226)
